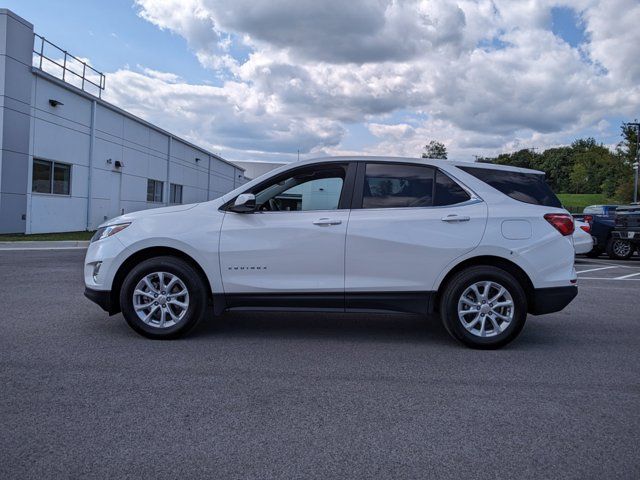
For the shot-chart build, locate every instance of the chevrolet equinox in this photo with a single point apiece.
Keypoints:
(482, 245)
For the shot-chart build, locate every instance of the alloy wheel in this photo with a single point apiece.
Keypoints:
(621, 248)
(161, 299)
(485, 309)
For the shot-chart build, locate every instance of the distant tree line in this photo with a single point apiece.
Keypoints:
(584, 167)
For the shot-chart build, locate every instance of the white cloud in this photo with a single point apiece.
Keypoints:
(396, 132)
(231, 117)
(481, 76)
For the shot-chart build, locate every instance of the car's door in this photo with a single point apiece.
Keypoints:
(294, 241)
(407, 223)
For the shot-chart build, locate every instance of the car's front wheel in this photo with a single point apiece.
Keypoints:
(163, 297)
(618, 249)
(484, 307)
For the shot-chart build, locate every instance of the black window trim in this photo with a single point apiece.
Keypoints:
(172, 191)
(53, 168)
(356, 201)
(345, 195)
(161, 182)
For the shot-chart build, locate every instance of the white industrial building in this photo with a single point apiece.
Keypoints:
(255, 169)
(69, 160)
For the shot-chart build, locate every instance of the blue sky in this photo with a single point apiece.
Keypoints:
(259, 80)
(111, 35)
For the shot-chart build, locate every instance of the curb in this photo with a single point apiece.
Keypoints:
(45, 245)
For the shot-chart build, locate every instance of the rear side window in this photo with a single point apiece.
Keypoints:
(389, 185)
(524, 187)
(448, 192)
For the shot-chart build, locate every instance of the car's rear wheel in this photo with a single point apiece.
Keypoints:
(484, 307)
(163, 298)
(618, 249)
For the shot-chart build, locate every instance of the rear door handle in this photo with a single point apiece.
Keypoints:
(323, 222)
(455, 218)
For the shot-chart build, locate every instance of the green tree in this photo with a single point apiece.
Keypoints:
(626, 151)
(524, 158)
(557, 163)
(584, 167)
(592, 165)
(435, 149)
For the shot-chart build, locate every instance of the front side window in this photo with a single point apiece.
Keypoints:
(154, 191)
(306, 189)
(175, 193)
(389, 185)
(51, 177)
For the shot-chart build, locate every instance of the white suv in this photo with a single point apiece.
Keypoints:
(481, 244)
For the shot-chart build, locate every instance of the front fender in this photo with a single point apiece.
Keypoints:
(207, 259)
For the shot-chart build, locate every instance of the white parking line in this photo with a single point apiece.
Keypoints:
(39, 249)
(582, 263)
(594, 269)
(624, 277)
(605, 278)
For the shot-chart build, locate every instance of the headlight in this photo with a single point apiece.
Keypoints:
(107, 231)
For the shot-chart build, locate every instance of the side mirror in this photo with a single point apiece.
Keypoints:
(245, 203)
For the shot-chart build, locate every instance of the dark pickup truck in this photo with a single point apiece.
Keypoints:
(625, 236)
(601, 219)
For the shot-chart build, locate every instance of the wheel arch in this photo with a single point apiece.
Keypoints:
(144, 254)
(490, 260)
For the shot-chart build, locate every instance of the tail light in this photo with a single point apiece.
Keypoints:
(588, 218)
(586, 228)
(563, 222)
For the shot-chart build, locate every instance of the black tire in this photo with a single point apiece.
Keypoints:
(618, 249)
(594, 253)
(454, 291)
(187, 274)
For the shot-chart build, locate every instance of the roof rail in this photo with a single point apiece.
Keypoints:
(89, 78)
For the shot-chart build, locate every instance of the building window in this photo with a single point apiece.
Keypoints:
(51, 177)
(175, 193)
(154, 191)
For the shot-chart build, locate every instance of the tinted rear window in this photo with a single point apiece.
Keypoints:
(525, 187)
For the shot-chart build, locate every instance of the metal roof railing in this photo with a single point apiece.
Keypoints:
(65, 66)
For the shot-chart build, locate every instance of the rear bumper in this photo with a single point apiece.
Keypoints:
(102, 298)
(549, 300)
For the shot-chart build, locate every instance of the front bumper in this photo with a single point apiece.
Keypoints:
(549, 300)
(103, 299)
(630, 235)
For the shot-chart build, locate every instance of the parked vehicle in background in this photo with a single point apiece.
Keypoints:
(481, 244)
(582, 240)
(601, 220)
(602, 210)
(625, 238)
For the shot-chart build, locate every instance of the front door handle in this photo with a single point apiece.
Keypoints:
(323, 222)
(455, 218)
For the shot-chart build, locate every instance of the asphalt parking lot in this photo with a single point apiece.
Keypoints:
(314, 396)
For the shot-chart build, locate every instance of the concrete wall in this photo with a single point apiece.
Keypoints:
(253, 170)
(15, 98)
(91, 135)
